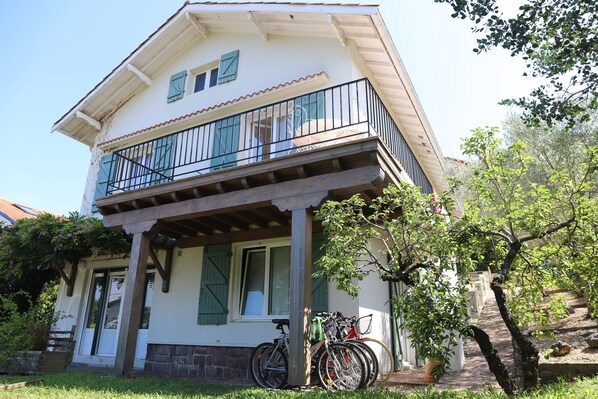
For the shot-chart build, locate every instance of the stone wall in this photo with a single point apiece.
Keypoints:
(209, 362)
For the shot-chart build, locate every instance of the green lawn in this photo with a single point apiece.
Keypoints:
(81, 385)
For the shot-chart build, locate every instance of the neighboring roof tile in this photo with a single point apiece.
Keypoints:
(214, 107)
(14, 211)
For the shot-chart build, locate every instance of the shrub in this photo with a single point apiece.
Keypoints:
(28, 330)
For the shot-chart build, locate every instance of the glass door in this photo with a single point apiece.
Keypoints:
(104, 314)
(109, 327)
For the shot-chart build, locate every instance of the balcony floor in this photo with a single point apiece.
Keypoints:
(237, 204)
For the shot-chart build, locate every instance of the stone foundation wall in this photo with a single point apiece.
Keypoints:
(210, 362)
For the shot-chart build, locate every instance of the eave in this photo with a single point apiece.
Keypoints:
(360, 25)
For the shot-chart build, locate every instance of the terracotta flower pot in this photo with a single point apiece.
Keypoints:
(432, 371)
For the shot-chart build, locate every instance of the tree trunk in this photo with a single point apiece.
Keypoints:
(529, 351)
(495, 364)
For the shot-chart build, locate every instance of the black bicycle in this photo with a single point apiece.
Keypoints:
(338, 365)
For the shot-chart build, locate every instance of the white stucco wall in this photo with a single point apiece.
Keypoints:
(262, 65)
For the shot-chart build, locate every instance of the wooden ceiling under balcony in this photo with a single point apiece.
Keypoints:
(238, 204)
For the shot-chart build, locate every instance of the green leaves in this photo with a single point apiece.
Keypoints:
(389, 236)
(50, 241)
(434, 311)
(403, 236)
(559, 42)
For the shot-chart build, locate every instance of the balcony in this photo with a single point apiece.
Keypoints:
(225, 181)
(339, 114)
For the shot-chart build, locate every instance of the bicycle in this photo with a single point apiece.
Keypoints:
(353, 332)
(338, 366)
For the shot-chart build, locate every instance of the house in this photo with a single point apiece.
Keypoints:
(11, 212)
(223, 131)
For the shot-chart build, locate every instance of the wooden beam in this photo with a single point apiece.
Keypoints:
(236, 236)
(121, 208)
(178, 226)
(222, 187)
(301, 171)
(198, 192)
(350, 149)
(196, 225)
(216, 224)
(246, 182)
(337, 164)
(252, 219)
(277, 217)
(69, 280)
(168, 230)
(167, 269)
(337, 30)
(300, 282)
(132, 300)
(300, 298)
(203, 31)
(232, 220)
(89, 120)
(140, 74)
(156, 201)
(258, 26)
(357, 179)
(273, 177)
(163, 271)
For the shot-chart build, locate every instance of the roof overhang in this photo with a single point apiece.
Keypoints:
(360, 25)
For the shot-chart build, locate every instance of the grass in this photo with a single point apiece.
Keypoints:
(84, 385)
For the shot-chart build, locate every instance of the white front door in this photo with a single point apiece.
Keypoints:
(104, 312)
(110, 322)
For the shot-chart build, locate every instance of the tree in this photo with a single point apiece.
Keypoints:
(434, 307)
(41, 246)
(532, 226)
(558, 39)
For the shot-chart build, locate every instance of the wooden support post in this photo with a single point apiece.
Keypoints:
(133, 297)
(300, 284)
(70, 280)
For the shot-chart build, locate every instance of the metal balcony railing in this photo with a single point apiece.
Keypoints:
(346, 112)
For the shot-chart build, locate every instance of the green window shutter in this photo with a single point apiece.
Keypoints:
(102, 182)
(163, 159)
(229, 63)
(319, 286)
(213, 291)
(176, 89)
(307, 108)
(225, 143)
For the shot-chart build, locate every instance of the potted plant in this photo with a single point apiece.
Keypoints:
(434, 311)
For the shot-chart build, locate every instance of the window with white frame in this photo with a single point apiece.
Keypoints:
(205, 78)
(264, 273)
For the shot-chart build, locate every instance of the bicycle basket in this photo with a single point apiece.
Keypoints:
(364, 324)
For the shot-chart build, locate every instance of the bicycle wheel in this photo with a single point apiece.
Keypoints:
(341, 368)
(269, 366)
(386, 362)
(370, 359)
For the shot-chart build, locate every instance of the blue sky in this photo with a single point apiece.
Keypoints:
(53, 53)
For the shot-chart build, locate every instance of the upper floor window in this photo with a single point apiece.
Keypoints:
(214, 73)
(206, 79)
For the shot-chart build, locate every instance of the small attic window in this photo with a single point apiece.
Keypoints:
(26, 209)
(204, 77)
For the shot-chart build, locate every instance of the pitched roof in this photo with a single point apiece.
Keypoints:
(11, 211)
(360, 23)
